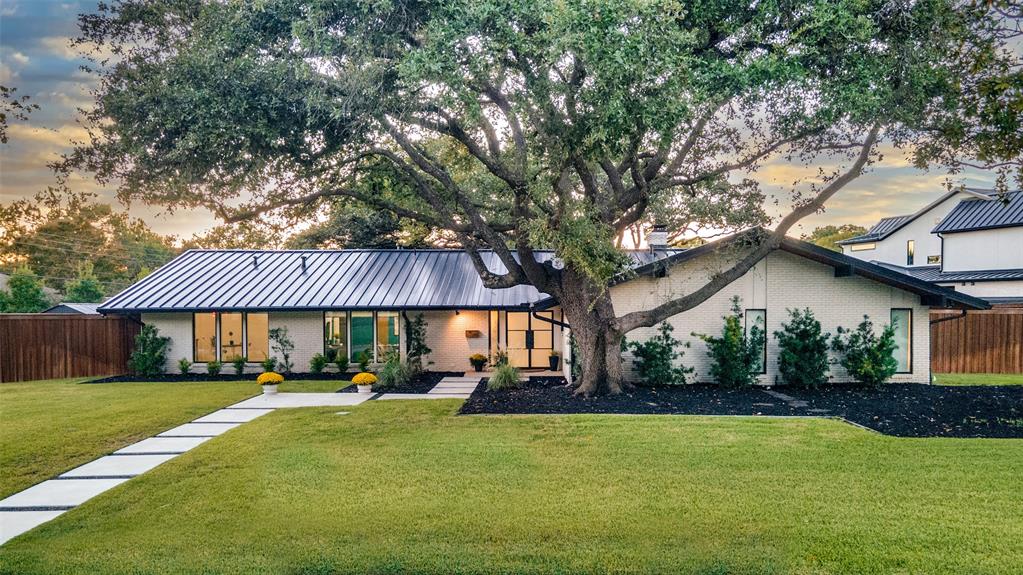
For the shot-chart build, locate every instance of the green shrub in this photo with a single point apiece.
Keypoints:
(866, 356)
(341, 361)
(239, 362)
(363, 359)
(505, 376)
(283, 345)
(802, 350)
(394, 373)
(214, 367)
(269, 364)
(656, 358)
(317, 363)
(736, 355)
(184, 365)
(150, 353)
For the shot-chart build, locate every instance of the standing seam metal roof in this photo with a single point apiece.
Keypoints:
(983, 215)
(200, 280)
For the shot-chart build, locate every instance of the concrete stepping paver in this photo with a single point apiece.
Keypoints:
(422, 396)
(232, 416)
(199, 429)
(286, 400)
(60, 492)
(164, 445)
(119, 465)
(14, 523)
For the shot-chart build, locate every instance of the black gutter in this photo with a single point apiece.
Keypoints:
(961, 315)
(553, 321)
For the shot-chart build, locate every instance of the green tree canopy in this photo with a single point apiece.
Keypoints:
(828, 236)
(519, 124)
(24, 293)
(85, 288)
(59, 233)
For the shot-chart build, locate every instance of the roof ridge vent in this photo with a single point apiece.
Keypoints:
(255, 261)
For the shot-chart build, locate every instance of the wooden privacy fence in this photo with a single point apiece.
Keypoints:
(50, 346)
(989, 341)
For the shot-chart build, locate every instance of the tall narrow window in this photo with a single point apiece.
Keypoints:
(335, 334)
(388, 333)
(910, 250)
(257, 336)
(902, 323)
(362, 334)
(758, 318)
(230, 336)
(204, 336)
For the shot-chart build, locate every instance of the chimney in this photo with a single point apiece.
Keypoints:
(657, 239)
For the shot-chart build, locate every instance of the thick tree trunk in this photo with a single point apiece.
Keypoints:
(598, 344)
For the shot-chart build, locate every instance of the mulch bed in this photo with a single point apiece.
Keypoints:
(904, 410)
(422, 383)
(226, 375)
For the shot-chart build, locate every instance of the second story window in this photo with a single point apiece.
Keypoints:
(910, 249)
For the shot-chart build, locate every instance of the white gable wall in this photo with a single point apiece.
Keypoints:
(997, 249)
(780, 281)
(892, 250)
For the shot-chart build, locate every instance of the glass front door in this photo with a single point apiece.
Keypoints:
(530, 340)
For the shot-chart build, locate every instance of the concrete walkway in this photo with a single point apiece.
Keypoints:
(447, 388)
(45, 501)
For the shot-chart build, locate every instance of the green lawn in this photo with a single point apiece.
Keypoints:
(48, 427)
(410, 487)
(979, 378)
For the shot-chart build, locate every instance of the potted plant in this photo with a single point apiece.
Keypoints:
(269, 381)
(478, 360)
(364, 381)
(554, 359)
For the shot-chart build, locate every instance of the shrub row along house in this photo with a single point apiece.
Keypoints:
(216, 305)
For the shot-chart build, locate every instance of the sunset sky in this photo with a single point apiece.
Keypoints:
(36, 59)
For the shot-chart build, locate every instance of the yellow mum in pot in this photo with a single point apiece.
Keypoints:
(364, 378)
(269, 378)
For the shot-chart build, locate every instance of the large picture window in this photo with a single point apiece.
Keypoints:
(362, 334)
(902, 322)
(225, 336)
(335, 334)
(388, 333)
(204, 336)
(257, 332)
(231, 336)
(758, 318)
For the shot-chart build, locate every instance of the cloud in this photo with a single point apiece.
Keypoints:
(7, 73)
(60, 46)
(19, 58)
(9, 8)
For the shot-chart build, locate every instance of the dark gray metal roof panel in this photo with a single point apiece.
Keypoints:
(934, 274)
(968, 215)
(880, 230)
(331, 279)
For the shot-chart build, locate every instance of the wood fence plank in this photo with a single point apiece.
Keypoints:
(51, 346)
(988, 341)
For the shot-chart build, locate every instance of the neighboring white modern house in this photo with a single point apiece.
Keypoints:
(218, 304)
(970, 241)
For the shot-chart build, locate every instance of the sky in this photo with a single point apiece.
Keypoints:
(35, 58)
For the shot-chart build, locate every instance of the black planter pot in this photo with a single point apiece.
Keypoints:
(554, 361)
(478, 367)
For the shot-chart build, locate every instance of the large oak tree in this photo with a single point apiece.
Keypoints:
(519, 124)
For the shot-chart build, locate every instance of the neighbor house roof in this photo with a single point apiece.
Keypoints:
(71, 307)
(890, 225)
(934, 274)
(1005, 211)
(325, 279)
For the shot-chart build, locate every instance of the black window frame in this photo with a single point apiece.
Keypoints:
(745, 319)
(891, 313)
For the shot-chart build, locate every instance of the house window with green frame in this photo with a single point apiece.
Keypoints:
(388, 333)
(362, 337)
(335, 334)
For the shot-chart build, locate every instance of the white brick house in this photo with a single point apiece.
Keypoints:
(218, 304)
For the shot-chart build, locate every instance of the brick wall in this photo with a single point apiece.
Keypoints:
(778, 282)
(446, 337)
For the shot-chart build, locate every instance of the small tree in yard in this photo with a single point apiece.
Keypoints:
(736, 355)
(803, 350)
(150, 353)
(867, 357)
(24, 293)
(85, 288)
(657, 358)
(283, 345)
(416, 348)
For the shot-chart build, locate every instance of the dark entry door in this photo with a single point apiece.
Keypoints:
(530, 340)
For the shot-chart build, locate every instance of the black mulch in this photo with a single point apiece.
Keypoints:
(226, 375)
(422, 383)
(905, 410)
